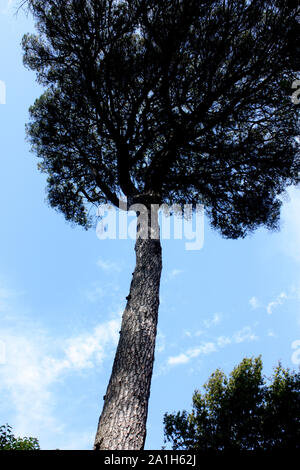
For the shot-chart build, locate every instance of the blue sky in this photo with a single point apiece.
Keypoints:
(62, 292)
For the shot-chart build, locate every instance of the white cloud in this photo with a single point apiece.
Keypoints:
(26, 380)
(89, 349)
(172, 274)
(102, 289)
(275, 303)
(187, 333)
(95, 293)
(180, 359)
(5, 6)
(245, 334)
(223, 341)
(199, 333)
(205, 348)
(108, 265)
(175, 273)
(6, 293)
(34, 362)
(6, 296)
(215, 320)
(254, 302)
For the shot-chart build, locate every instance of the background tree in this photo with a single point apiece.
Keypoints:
(177, 102)
(242, 412)
(9, 442)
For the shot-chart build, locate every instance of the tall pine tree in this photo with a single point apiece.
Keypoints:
(176, 102)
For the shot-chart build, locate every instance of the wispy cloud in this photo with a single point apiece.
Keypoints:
(172, 274)
(6, 295)
(290, 294)
(208, 347)
(254, 303)
(208, 323)
(205, 348)
(280, 299)
(223, 341)
(245, 334)
(180, 359)
(95, 292)
(100, 289)
(215, 320)
(183, 358)
(196, 333)
(111, 266)
(34, 362)
(87, 350)
(5, 6)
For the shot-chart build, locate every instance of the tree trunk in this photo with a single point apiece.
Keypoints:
(122, 424)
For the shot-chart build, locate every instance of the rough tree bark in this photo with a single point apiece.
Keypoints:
(122, 424)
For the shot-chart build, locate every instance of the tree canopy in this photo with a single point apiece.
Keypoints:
(9, 442)
(180, 101)
(241, 412)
